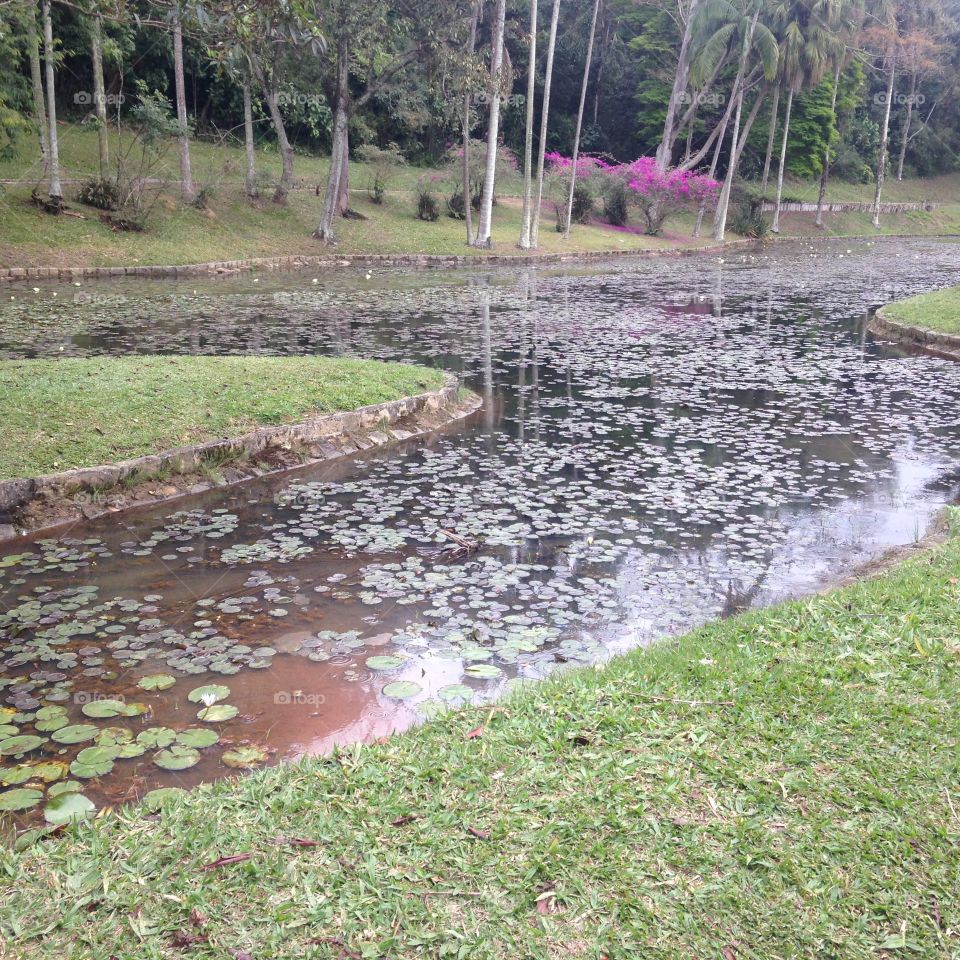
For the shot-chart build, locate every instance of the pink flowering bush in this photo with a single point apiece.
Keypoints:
(658, 194)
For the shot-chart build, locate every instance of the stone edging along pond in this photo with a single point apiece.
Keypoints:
(946, 345)
(40, 503)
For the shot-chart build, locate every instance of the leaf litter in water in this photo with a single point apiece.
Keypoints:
(245, 757)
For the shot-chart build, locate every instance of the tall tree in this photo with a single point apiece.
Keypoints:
(36, 81)
(99, 94)
(468, 126)
(54, 189)
(579, 128)
(525, 220)
(485, 229)
(183, 127)
(687, 15)
(544, 123)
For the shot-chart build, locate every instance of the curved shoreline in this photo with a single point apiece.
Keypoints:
(38, 504)
(215, 268)
(944, 345)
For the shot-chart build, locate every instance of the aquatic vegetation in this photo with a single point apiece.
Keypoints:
(663, 443)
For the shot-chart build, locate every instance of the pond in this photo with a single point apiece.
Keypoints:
(662, 442)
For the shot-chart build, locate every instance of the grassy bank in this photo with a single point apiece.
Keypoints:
(59, 414)
(232, 228)
(784, 784)
(938, 311)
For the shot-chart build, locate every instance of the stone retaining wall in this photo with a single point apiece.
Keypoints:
(942, 344)
(837, 207)
(85, 493)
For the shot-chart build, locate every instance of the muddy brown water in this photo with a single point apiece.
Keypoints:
(662, 443)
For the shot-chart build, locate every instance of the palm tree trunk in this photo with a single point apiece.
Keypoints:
(341, 120)
(576, 136)
(884, 141)
(467, 193)
(54, 189)
(525, 222)
(343, 184)
(99, 95)
(825, 172)
(493, 129)
(906, 126)
(251, 156)
(544, 121)
(36, 83)
(774, 116)
(783, 161)
(702, 209)
(680, 81)
(183, 131)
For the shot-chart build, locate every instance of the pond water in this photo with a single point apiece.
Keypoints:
(663, 442)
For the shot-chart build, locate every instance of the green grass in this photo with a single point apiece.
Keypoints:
(232, 228)
(780, 785)
(59, 414)
(939, 311)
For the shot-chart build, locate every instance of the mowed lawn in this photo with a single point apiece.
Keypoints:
(59, 414)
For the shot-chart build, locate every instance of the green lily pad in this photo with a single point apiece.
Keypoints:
(455, 691)
(65, 786)
(15, 746)
(209, 693)
(197, 737)
(94, 762)
(12, 776)
(68, 806)
(155, 799)
(155, 737)
(47, 770)
(101, 709)
(10, 730)
(157, 681)
(483, 671)
(245, 757)
(75, 733)
(384, 662)
(217, 713)
(177, 757)
(402, 689)
(20, 799)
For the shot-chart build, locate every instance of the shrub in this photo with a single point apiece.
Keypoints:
(582, 203)
(616, 203)
(428, 208)
(749, 220)
(100, 193)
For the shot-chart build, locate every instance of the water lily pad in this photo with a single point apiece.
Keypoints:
(198, 737)
(155, 737)
(47, 770)
(15, 746)
(75, 733)
(101, 709)
(483, 671)
(245, 757)
(209, 693)
(157, 681)
(401, 689)
(12, 776)
(384, 662)
(64, 786)
(9, 730)
(68, 806)
(177, 757)
(217, 713)
(455, 691)
(94, 762)
(20, 798)
(155, 799)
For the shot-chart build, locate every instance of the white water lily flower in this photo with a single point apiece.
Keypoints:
(208, 699)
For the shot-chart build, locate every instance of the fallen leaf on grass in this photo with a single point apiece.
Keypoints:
(475, 732)
(197, 918)
(302, 842)
(226, 861)
(478, 833)
(239, 954)
(404, 820)
(728, 954)
(183, 939)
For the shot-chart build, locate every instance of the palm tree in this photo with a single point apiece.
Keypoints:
(99, 94)
(183, 128)
(544, 120)
(576, 136)
(525, 221)
(36, 82)
(485, 228)
(808, 41)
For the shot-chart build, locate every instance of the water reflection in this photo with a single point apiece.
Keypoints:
(662, 442)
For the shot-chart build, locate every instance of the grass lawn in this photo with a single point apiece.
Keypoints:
(939, 311)
(232, 228)
(59, 414)
(785, 784)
